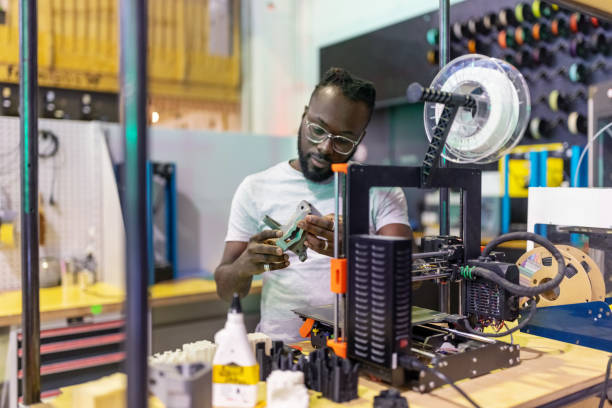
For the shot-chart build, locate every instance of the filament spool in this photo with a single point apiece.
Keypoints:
(598, 285)
(576, 123)
(539, 266)
(484, 134)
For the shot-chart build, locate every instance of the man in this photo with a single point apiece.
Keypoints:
(333, 125)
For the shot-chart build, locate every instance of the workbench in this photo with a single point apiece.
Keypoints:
(182, 311)
(551, 374)
(66, 302)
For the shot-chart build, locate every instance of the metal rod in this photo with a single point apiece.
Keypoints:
(436, 266)
(430, 277)
(433, 269)
(30, 283)
(342, 252)
(472, 336)
(460, 308)
(444, 32)
(422, 255)
(444, 14)
(336, 213)
(462, 224)
(444, 290)
(133, 28)
(423, 353)
(336, 249)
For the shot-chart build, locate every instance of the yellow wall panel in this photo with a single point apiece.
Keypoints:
(9, 50)
(166, 53)
(78, 48)
(44, 35)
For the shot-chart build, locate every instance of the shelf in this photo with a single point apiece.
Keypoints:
(79, 364)
(82, 328)
(80, 343)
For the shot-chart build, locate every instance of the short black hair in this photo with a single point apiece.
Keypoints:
(354, 88)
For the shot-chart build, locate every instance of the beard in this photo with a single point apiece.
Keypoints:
(310, 172)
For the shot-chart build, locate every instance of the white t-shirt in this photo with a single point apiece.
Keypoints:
(276, 192)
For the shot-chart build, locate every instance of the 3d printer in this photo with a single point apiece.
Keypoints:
(476, 110)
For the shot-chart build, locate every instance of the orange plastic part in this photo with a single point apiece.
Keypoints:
(338, 275)
(554, 27)
(472, 46)
(535, 31)
(501, 39)
(339, 167)
(306, 328)
(339, 347)
(573, 23)
(519, 36)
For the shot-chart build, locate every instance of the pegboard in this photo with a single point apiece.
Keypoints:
(70, 188)
(397, 55)
(549, 63)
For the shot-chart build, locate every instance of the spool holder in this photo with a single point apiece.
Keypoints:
(452, 102)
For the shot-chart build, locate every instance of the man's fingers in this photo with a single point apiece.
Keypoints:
(331, 217)
(266, 234)
(326, 222)
(261, 258)
(272, 267)
(280, 265)
(315, 229)
(265, 249)
(317, 244)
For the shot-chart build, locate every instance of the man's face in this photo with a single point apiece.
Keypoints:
(338, 115)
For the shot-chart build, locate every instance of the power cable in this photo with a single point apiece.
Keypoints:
(413, 363)
(520, 289)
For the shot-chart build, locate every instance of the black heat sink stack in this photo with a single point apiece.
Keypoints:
(487, 300)
(379, 302)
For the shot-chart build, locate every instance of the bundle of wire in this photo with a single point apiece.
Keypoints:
(518, 290)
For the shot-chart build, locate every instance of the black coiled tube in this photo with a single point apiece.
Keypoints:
(519, 289)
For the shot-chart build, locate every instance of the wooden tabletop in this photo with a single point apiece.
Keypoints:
(549, 370)
(64, 302)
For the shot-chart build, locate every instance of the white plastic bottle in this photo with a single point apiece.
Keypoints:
(235, 370)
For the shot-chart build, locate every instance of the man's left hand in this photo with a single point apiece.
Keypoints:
(320, 233)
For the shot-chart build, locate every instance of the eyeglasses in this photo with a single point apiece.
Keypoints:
(340, 144)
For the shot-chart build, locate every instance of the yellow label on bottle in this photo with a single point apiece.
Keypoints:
(233, 374)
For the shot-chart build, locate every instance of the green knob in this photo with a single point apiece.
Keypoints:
(433, 35)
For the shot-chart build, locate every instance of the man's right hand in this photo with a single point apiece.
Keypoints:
(260, 252)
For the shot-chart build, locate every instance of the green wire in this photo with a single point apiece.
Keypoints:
(466, 272)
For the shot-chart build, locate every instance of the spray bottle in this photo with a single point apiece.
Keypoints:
(235, 370)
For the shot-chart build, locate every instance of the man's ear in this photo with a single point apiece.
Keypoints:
(305, 110)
